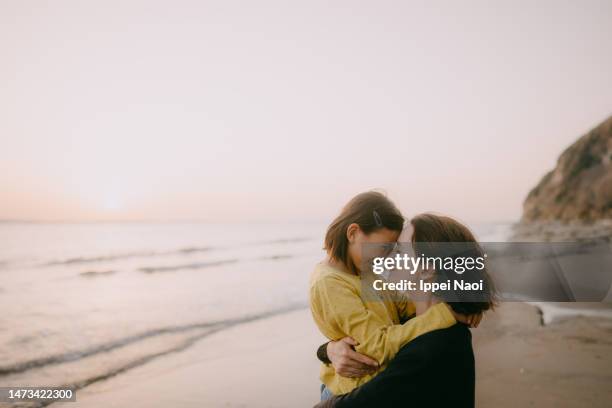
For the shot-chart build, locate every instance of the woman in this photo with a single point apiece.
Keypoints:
(336, 299)
(437, 369)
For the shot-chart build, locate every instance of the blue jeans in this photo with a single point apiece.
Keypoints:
(325, 393)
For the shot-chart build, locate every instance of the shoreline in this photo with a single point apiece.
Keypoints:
(271, 363)
(553, 312)
(267, 362)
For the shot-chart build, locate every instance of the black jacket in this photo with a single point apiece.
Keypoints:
(434, 370)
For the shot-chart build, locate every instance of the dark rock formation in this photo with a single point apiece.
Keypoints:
(580, 186)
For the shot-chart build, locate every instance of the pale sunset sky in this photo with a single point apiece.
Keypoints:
(283, 110)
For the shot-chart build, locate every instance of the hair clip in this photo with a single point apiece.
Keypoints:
(377, 219)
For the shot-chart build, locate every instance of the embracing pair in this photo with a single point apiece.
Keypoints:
(393, 351)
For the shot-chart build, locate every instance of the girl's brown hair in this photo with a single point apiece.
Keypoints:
(430, 233)
(372, 211)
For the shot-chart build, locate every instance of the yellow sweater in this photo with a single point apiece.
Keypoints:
(339, 311)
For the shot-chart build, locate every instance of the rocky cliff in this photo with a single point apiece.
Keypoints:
(579, 188)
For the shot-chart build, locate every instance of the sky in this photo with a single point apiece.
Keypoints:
(254, 111)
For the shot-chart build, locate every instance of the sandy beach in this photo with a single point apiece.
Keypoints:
(265, 363)
(520, 363)
(271, 363)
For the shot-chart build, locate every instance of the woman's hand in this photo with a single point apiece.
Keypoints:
(346, 361)
(472, 320)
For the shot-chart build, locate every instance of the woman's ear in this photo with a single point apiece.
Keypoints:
(351, 232)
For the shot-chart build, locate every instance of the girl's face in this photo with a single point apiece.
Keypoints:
(357, 239)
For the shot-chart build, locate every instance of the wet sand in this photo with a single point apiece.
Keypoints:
(271, 363)
(520, 363)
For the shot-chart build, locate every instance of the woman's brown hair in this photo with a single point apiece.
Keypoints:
(372, 211)
(431, 232)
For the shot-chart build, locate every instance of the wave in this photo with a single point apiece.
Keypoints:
(276, 257)
(197, 265)
(146, 254)
(128, 255)
(191, 250)
(553, 312)
(202, 265)
(103, 258)
(93, 274)
(75, 355)
(120, 369)
(213, 327)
